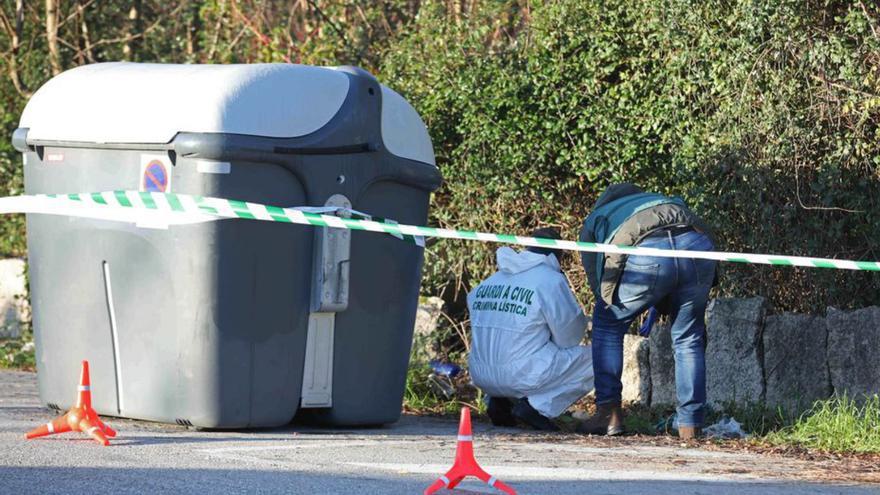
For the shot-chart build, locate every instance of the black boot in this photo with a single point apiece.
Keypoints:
(499, 411)
(524, 412)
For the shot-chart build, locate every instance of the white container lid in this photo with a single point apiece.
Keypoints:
(135, 103)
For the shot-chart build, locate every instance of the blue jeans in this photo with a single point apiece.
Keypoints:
(644, 283)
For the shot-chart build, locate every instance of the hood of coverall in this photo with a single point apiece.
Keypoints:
(510, 261)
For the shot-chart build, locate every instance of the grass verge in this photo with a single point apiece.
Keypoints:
(840, 424)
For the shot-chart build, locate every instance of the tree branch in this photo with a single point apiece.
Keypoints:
(14, 33)
(86, 48)
(332, 24)
(843, 87)
(216, 39)
(193, 26)
(52, 36)
(135, 36)
(134, 25)
(75, 13)
(869, 19)
(797, 184)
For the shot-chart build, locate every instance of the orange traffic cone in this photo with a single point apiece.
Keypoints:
(465, 464)
(80, 417)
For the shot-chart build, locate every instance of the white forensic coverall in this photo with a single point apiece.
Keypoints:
(525, 329)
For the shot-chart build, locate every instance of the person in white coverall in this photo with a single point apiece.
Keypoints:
(526, 327)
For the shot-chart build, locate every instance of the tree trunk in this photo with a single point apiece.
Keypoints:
(129, 49)
(52, 35)
(453, 9)
(218, 26)
(193, 29)
(19, 85)
(85, 44)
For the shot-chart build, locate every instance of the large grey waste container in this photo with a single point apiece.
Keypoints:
(230, 323)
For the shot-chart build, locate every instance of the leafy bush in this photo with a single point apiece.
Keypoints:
(763, 115)
(12, 232)
(19, 353)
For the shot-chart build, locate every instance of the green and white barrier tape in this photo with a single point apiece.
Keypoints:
(183, 208)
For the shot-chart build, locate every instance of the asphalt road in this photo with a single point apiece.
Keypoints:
(400, 459)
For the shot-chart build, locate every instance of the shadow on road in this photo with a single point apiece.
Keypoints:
(130, 441)
(55, 480)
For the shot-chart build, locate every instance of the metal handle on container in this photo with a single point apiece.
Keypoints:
(331, 267)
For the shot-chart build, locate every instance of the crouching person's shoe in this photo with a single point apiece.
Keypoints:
(608, 420)
(500, 411)
(524, 412)
(689, 432)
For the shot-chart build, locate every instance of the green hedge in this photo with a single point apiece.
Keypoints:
(12, 231)
(763, 115)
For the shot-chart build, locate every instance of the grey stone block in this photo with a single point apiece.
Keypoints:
(636, 370)
(14, 308)
(424, 339)
(662, 365)
(795, 363)
(733, 355)
(854, 351)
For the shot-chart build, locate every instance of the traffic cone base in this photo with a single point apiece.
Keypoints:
(80, 417)
(57, 425)
(465, 464)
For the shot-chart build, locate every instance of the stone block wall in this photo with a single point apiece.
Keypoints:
(428, 315)
(786, 360)
(795, 363)
(14, 307)
(660, 364)
(733, 352)
(854, 350)
(636, 379)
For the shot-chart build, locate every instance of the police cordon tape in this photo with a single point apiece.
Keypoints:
(175, 208)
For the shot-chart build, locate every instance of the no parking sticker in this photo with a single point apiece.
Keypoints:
(155, 174)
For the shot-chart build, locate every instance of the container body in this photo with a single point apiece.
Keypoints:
(206, 324)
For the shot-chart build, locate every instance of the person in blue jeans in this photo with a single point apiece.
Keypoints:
(627, 286)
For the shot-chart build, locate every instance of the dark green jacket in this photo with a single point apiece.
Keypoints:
(624, 214)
